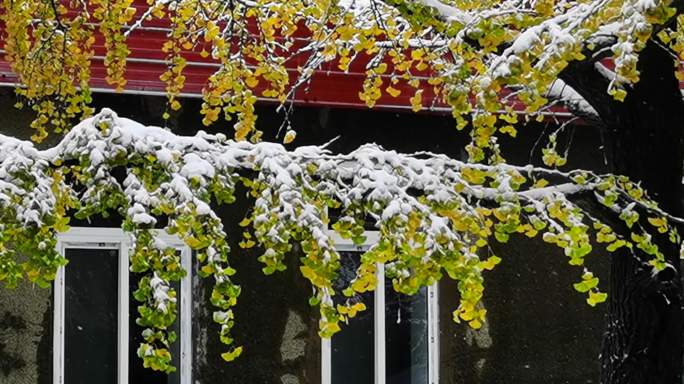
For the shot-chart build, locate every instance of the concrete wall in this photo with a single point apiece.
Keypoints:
(25, 335)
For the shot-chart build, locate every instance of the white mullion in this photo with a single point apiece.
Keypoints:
(433, 333)
(104, 246)
(326, 361)
(58, 323)
(123, 311)
(379, 309)
(186, 318)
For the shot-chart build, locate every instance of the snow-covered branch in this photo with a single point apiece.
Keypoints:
(563, 93)
(447, 12)
(434, 214)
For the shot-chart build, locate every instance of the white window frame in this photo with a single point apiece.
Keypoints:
(372, 237)
(115, 238)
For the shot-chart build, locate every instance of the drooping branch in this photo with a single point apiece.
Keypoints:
(435, 215)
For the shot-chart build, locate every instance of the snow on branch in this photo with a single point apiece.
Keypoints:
(447, 12)
(435, 215)
(563, 93)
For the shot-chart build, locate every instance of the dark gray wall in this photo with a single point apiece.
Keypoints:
(273, 321)
(25, 335)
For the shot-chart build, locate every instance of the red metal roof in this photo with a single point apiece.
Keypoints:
(329, 85)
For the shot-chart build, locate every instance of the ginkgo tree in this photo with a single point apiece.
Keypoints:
(613, 63)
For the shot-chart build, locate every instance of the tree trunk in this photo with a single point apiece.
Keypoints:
(645, 138)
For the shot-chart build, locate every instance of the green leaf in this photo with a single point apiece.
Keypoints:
(596, 298)
(359, 239)
(577, 261)
(62, 224)
(501, 237)
(586, 285)
(490, 263)
(612, 247)
(232, 355)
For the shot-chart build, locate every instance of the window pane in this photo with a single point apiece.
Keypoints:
(353, 347)
(406, 327)
(137, 373)
(91, 308)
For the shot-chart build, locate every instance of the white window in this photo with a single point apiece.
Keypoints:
(95, 335)
(393, 342)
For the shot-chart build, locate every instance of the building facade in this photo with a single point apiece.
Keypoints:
(83, 330)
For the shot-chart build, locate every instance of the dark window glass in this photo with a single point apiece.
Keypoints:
(91, 308)
(353, 348)
(406, 333)
(137, 373)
